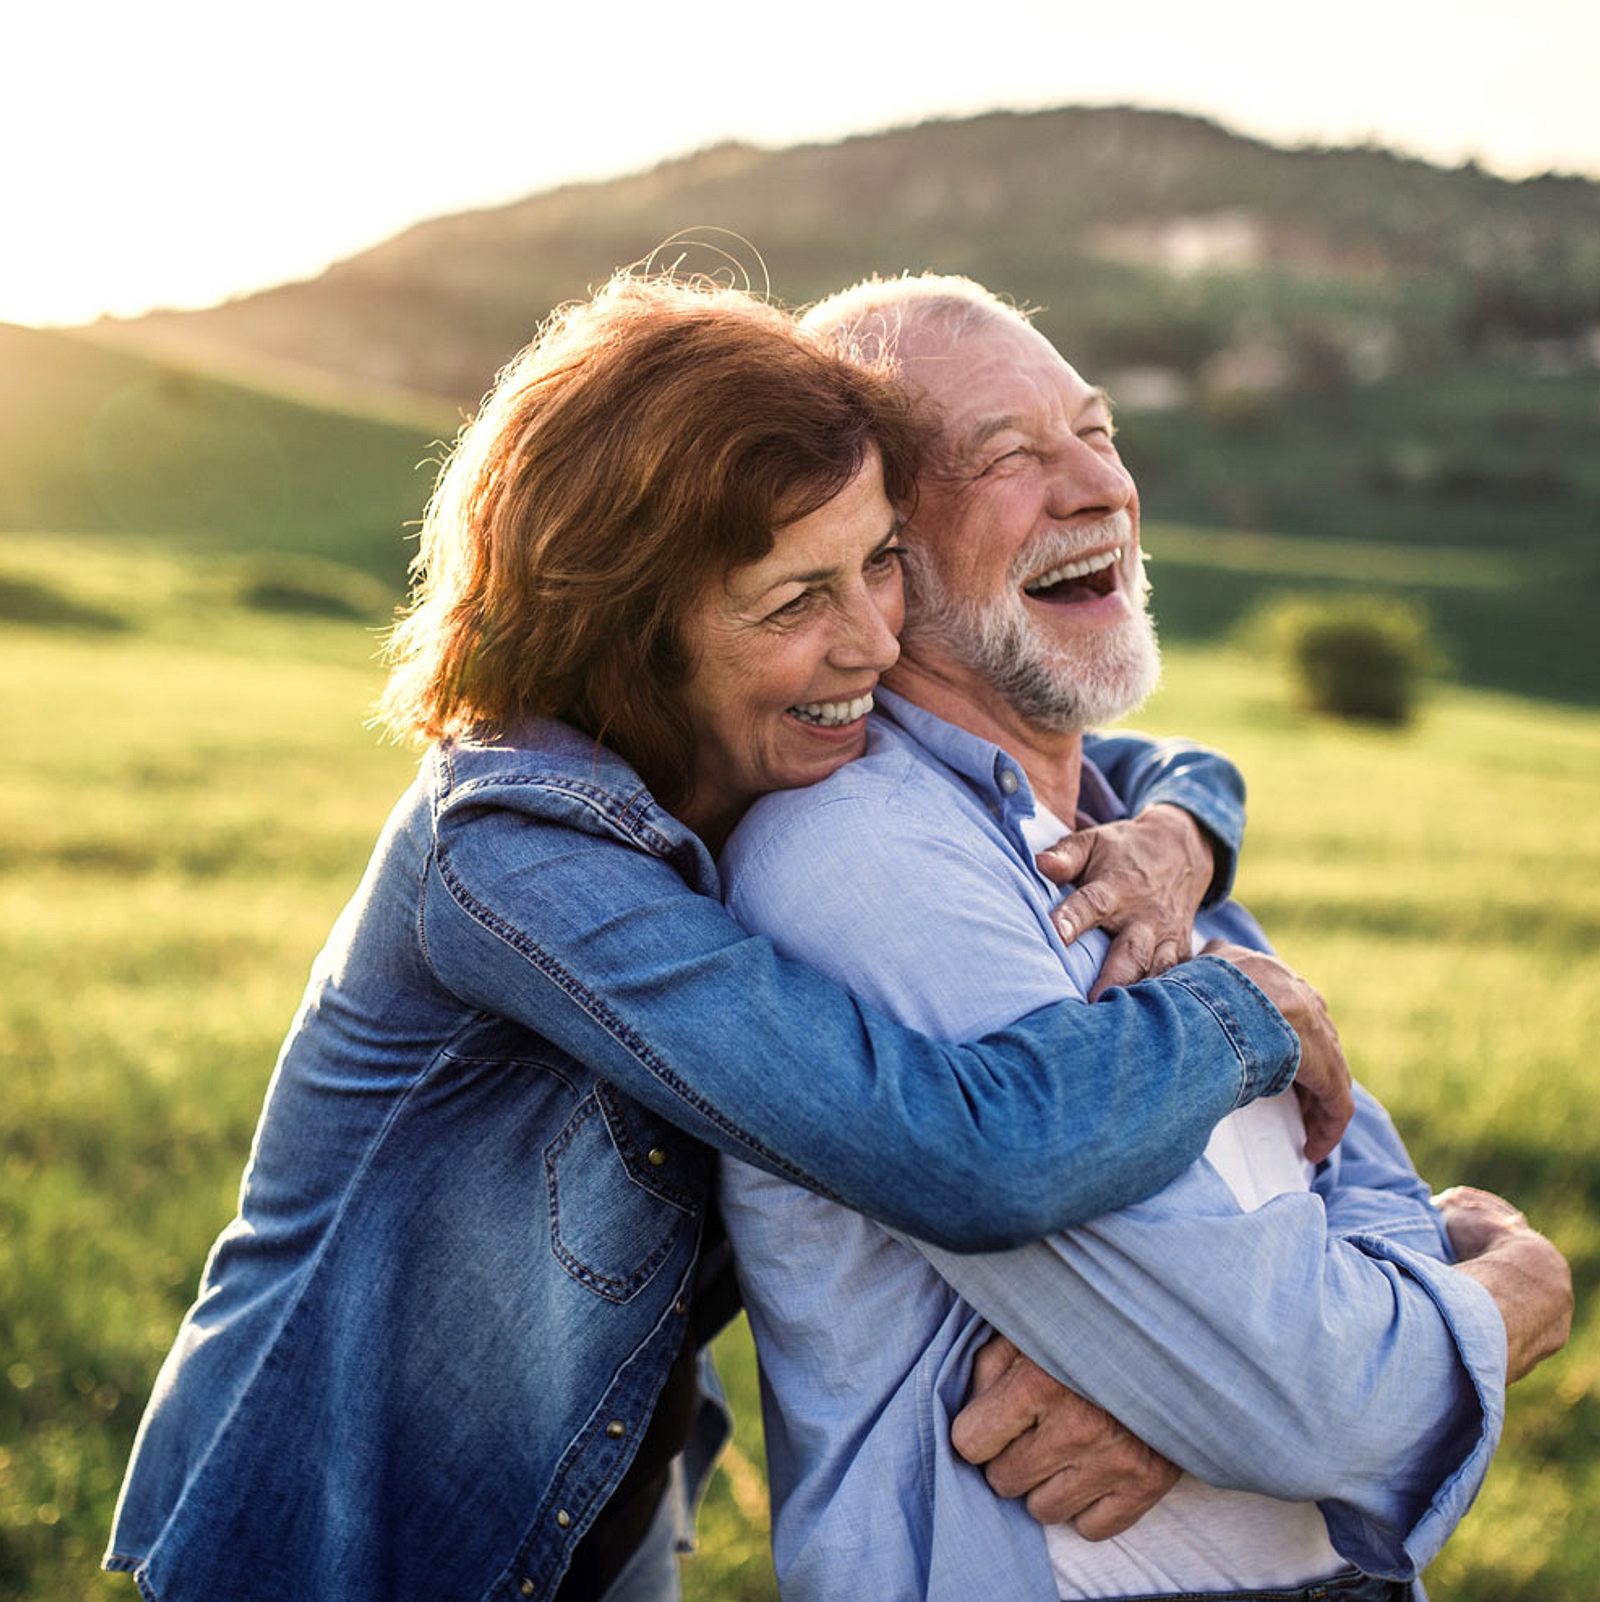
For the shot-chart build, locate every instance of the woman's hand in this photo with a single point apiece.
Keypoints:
(1143, 880)
(1071, 1460)
(1322, 1081)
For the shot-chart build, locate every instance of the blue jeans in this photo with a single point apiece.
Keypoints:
(1341, 1588)
(651, 1574)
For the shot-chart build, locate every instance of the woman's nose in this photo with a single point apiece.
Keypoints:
(870, 636)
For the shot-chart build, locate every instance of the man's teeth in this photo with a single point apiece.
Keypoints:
(833, 714)
(1073, 570)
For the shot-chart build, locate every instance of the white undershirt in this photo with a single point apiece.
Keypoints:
(1199, 1538)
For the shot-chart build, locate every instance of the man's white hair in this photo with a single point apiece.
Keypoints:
(869, 322)
(883, 323)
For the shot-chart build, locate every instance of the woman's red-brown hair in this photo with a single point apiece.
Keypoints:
(646, 443)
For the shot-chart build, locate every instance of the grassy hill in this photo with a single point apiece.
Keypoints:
(246, 479)
(1332, 345)
(99, 440)
(1144, 235)
(188, 801)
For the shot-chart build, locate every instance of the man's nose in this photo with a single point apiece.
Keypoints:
(1085, 482)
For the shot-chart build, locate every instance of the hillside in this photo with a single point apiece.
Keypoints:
(1145, 236)
(1394, 362)
(1333, 344)
(98, 440)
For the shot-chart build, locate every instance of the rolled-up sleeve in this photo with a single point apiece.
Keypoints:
(1262, 1352)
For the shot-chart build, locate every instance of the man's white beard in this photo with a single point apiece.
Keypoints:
(1067, 687)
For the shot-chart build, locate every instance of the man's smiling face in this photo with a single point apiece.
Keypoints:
(1026, 534)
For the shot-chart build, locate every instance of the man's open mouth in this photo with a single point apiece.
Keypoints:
(1083, 580)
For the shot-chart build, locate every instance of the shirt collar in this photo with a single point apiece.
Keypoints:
(994, 774)
(992, 771)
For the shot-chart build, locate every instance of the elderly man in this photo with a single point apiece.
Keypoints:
(1302, 1343)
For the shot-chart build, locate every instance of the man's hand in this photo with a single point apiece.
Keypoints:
(1142, 879)
(1525, 1273)
(1073, 1462)
(1323, 1079)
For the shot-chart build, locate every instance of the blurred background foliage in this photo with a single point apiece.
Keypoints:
(1340, 374)
(1367, 658)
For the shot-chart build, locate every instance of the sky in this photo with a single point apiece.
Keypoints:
(176, 152)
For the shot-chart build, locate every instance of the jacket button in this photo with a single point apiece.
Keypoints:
(657, 1156)
(681, 1306)
(526, 1588)
(615, 1428)
(563, 1518)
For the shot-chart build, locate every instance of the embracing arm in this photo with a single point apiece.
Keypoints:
(1144, 878)
(1258, 1350)
(1176, 773)
(604, 950)
(1362, 1374)
(1036, 1438)
(1262, 1353)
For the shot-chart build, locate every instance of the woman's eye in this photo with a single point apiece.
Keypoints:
(795, 608)
(886, 560)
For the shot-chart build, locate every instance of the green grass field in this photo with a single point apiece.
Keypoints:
(97, 440)
(190, 795)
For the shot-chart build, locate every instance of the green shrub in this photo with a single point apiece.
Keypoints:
(1363, 657)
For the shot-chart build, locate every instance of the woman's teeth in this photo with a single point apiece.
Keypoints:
(832, 714)
(1073, 570)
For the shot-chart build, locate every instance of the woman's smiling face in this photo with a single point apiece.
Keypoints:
(786, 653)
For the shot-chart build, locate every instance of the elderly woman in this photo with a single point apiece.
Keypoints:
(447, 1343)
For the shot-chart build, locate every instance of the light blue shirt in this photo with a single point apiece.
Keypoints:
(1317, 1349)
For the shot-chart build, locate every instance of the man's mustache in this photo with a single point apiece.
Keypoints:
(1060, 546)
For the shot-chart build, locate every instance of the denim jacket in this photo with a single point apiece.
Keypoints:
(424, 1351)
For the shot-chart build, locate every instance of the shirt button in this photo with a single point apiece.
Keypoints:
(526, 1588)
(657, 1156)
(1008, 781)
(563, 1518)
(616, 1428)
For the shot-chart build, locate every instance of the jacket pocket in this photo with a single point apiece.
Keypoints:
(618, 1207)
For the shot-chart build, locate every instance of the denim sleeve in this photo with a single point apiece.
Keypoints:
(1262, 1352)
(604, 950)
(1145, 772)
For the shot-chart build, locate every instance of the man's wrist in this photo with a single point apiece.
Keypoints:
(1531, 1284)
